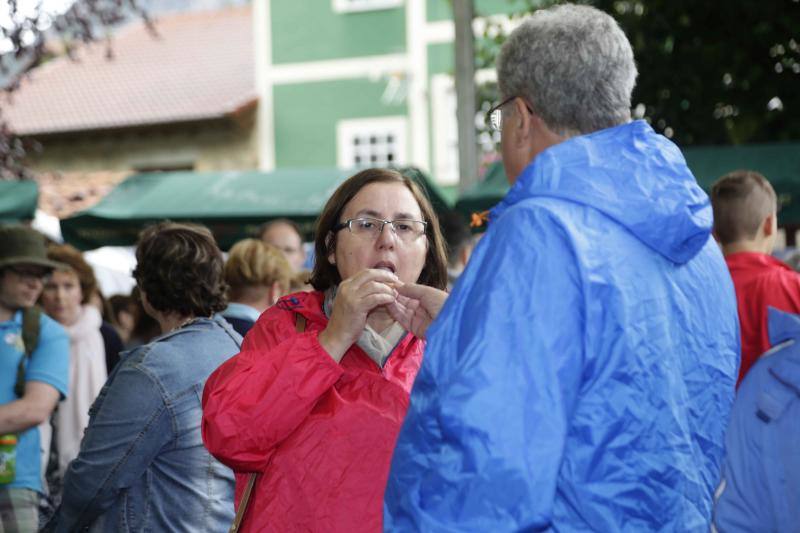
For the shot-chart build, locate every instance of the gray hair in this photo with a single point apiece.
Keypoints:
(574, 65)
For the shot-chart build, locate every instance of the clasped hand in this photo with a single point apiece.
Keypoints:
(413, 306)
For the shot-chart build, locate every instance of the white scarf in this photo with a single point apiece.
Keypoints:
(87, 375)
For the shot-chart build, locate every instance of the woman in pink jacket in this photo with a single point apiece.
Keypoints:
(315, 400)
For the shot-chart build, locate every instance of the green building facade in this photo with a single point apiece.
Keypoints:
(353, 83)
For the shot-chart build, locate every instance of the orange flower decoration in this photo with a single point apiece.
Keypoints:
(479, 219)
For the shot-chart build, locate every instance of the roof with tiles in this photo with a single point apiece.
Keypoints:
(199, 66)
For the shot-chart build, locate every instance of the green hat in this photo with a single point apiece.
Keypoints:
(23, 246)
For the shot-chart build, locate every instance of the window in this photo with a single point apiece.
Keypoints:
(349, 6)
(371, 142)
(444, 129)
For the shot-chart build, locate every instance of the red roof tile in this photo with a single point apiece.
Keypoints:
(200, 66)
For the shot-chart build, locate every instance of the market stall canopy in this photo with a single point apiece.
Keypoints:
(484, 194)
(18, 200)
(232, 204)
(779, 162)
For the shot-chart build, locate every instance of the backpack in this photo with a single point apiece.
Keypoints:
(31, 322)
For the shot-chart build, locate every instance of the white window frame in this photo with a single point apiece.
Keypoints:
(346, 130)
(444, 128)
(355, 6)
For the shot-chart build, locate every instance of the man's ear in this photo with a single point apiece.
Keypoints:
(769, 225)
(522, 120)
(274, 292)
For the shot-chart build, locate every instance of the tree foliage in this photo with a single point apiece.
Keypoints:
(709, 72)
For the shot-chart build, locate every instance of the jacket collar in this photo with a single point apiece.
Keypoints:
(196, 324)
(245, 312)
(15, 319)
(308, 304)
(630, 174)
(754, 260)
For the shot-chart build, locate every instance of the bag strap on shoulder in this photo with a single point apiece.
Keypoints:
(31, 322)
(237, 520)
(300, 327)
(299, 323)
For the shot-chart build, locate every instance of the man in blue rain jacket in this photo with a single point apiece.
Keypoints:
(760, 489)
(581, 374)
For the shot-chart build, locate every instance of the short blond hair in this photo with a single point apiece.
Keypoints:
(253, 263)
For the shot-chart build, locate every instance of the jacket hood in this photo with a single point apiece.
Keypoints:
(782, 326)
(783, 361)
(631, 174)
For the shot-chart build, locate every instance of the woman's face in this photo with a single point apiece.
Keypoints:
(354, 252)
(61, 297)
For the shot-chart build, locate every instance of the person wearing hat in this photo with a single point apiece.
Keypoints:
(34, 366)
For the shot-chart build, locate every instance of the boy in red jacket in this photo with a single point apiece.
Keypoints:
(746, 224)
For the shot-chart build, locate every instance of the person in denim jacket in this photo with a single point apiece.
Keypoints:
(142, 465)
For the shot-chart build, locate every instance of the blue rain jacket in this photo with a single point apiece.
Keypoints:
(760, 490)
(581, 374)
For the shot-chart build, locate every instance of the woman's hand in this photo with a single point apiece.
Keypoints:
(416, 307)
(355, 298)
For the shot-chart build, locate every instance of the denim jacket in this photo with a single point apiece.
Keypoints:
(142, 464)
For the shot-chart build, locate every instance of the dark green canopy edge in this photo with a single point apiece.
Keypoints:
(18, 200)
(779, 162)
(232, 204)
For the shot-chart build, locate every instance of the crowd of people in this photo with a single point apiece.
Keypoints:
(618, 352)
(65, 339)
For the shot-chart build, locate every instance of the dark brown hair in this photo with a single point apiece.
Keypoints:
(325, 274)
(179, 268)
(741, 201)
(74, 261)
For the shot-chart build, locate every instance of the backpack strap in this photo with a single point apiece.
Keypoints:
(299, 327)
(31, 323)
(299, 323)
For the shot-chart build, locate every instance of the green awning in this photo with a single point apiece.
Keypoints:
(18, 200)
(232, 204)
(485, 194)
(779, 162)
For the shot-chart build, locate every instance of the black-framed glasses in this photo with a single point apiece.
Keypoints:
(406, 229)
(494, 117)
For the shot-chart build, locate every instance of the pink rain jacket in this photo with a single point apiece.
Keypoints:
(320, 434)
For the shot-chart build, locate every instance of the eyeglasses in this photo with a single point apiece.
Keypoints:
(407, 230)
(494, 117)
(29, 272)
